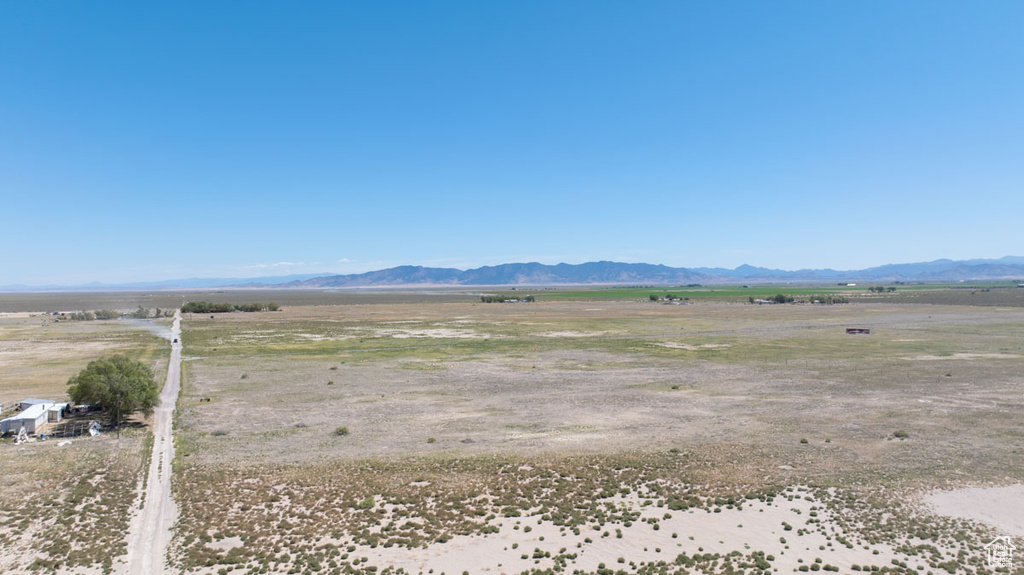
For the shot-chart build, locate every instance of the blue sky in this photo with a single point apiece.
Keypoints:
(143, 141)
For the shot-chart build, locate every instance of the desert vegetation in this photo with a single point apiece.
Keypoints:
(568, 436)
(224, 307)
(563, 436)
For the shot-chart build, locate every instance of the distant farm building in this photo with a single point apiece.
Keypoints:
(858, 330)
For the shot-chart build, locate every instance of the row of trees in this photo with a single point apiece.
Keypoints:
(821, 299)
(667, 297)
(91, 315)
(829, 299)
(211, 307)
(140, 313)
(506, 298)
(881, 289)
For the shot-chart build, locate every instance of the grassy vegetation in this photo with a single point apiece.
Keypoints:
(967, 293)
(68, 508)
(335, 517)
(321, 438)
(717, 293)
(568, 417)
(41, 355)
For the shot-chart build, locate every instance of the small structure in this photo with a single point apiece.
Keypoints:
(27, 403)
(858, 330)
(56, 412)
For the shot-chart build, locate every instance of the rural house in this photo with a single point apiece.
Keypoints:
(34, 416)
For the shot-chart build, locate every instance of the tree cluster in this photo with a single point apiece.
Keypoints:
(506, 298)
(140, 313)
(666, 297)
(210, 307)
(117, 384)
(829, 299)
(98, 314)
(881, 289)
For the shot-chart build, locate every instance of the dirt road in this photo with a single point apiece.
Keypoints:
(150, 530)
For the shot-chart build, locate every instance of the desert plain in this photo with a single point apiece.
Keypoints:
(428, 432)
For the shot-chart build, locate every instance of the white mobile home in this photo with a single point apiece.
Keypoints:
(32, 419)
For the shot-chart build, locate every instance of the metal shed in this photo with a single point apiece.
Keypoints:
(27, 403)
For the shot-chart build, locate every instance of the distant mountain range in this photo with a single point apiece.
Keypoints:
(612, 273)
(592, 273)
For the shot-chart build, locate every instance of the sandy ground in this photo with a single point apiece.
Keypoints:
(758, 526)
(150, 531)
(999, 507)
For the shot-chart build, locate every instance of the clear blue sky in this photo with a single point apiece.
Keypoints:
(147, 141)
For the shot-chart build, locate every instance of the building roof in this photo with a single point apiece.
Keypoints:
(34, 401)
(31, 412)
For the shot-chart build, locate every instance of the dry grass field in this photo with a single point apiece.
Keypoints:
(427, 432)
(563, 436)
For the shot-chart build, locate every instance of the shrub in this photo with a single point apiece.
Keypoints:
(900, 434)
(343, 430)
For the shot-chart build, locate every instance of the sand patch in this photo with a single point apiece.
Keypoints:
(226, 544)
(962, 356)
(572, 333)
(321, 337)
(438, 333)
(688, 347)
(999, 507)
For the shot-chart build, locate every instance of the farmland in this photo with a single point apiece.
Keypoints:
(566, 434)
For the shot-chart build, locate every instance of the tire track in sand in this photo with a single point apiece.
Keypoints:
(149, 533)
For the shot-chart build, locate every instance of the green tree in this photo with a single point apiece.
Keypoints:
(117, 384)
